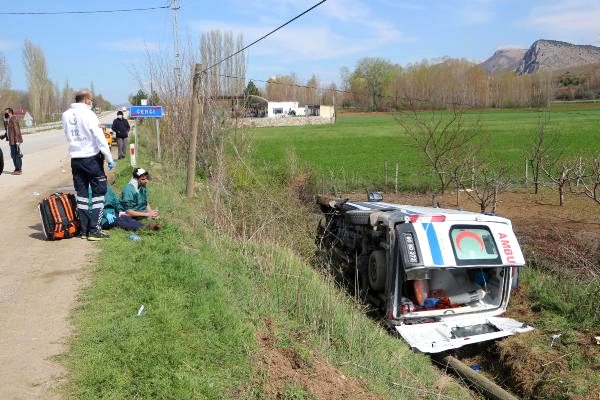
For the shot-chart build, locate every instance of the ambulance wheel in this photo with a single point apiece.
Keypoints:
(358, 217)
(377, 270)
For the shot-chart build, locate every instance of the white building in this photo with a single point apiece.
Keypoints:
(283, 108)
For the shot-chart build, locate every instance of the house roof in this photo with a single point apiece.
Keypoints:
(20, 112)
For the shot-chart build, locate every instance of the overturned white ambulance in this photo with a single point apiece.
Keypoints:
(442, 277)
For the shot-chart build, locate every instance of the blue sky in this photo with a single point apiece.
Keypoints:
(106, 48)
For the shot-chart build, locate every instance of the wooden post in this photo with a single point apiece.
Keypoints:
(526, 172)
(191, 162)
(396, 180)
(385, 169)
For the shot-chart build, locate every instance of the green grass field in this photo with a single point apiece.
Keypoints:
(353, 151)
(207, 299)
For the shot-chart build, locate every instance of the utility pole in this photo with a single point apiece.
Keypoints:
(196, 110)
(176, 55)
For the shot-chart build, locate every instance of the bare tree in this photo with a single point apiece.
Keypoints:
(442, 137)
(39, 85)
(588, 180)
(482, 182)
(283, 88)
(5, 95)
(543, 150)
(561, 175)
(67, 96)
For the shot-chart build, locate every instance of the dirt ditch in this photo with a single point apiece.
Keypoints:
(289, 369)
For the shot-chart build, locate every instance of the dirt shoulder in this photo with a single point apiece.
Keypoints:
(39, 280)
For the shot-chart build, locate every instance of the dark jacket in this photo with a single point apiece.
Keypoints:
(121, 128)
(14, 131)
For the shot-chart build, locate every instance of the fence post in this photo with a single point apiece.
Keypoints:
(385, 169)
(396, 181)
(526, 172)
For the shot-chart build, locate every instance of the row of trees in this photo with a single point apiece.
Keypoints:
(376, 84)
(44, 99)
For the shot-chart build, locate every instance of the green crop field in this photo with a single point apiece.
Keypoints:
(353, 151)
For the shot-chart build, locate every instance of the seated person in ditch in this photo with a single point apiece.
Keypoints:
(113, 215)
(134, 198)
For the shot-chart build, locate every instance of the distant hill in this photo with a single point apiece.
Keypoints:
(504, 60)
(552, 54)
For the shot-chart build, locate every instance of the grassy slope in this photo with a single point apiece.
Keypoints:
(206, 298)
(568, 369)
(353, 150)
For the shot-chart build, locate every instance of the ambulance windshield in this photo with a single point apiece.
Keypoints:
(473, 245)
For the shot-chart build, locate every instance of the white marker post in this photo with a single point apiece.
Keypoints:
(157, 139)
(135, 140)
(132, 154)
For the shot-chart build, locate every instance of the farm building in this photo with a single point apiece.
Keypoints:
(283, 108)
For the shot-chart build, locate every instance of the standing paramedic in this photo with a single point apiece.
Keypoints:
(121, 128)
(88, 149)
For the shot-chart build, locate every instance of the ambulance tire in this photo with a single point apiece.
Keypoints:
(377, 270)
(358, 217)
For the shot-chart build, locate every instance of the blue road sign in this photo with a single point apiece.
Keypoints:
(146, 112)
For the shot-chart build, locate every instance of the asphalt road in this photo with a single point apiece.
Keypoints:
(39, 280)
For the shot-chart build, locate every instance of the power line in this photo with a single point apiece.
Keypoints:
(265, 36)
(83, 12)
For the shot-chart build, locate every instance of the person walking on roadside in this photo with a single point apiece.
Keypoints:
(13, 131)
(121, 127)
(88, 149)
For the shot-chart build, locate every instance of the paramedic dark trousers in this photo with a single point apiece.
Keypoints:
(89, 172)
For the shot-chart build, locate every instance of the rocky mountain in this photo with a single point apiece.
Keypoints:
(552, 54)
(504, 60)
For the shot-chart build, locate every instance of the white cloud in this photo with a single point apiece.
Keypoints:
(6, 45)
(130, 45)
(575, 20)
(344, 28)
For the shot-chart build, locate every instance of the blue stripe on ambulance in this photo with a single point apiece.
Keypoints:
(434, 244)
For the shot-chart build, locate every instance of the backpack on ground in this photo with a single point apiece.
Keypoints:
(60, 219)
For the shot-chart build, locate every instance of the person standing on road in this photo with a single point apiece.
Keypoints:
(121, 127)
(88, 149)
(13, 130)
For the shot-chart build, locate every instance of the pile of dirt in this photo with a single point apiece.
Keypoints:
(285, 367)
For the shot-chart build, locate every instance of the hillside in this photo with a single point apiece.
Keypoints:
(503, 60)
(552, 54)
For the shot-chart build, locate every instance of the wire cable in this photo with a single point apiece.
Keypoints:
(264, 36)
(84, 12)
